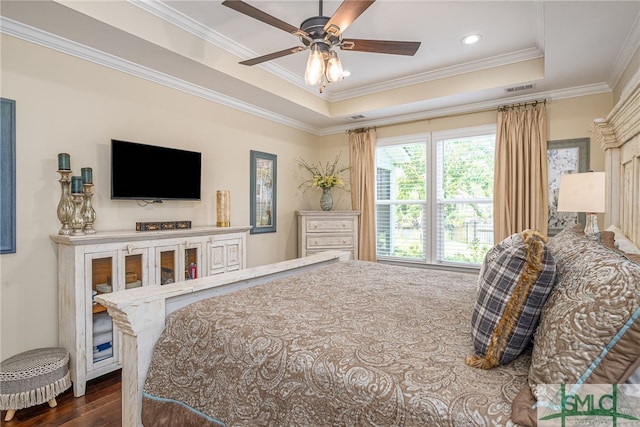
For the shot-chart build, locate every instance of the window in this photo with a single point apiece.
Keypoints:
(434, 201)
(401, 200)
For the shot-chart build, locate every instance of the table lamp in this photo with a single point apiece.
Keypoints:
(583, 192)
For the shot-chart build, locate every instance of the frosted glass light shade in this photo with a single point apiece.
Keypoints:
(315, 67)
(334, 68)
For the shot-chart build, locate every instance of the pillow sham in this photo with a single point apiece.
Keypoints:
(633, 257)
(513, 288)
(606, 238)
(622, 243)
(590, 326)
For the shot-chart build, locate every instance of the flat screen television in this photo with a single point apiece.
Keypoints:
(153, 173)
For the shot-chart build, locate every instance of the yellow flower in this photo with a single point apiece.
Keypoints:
(324, 176)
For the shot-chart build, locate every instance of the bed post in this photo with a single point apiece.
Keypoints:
(141, 326)
(619, 137)
(603, 131)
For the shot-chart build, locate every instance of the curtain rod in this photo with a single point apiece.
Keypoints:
(445, 116)
(361, 130)
(524, 105)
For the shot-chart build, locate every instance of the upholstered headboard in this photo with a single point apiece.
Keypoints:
(619, 136)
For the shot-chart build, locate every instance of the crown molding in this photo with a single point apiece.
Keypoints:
(195, 28)
(43, 38)
(37, 36)
(621, 124)
(180, 20)
(469, 67)
(625, 54)
(471, 108)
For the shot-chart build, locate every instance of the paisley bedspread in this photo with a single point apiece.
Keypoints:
(351, 344)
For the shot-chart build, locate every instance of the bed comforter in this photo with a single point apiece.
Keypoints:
(351, 344)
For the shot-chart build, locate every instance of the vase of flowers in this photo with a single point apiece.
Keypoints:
(326, 200)
(324, 176)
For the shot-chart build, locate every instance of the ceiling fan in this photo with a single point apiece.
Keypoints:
(321, 34)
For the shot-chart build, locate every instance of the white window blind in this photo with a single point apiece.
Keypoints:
(401, 200)
(434, 201)
(464, 219)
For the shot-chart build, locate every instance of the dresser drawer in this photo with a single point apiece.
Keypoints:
(352, 254)
(330, 241)
(320, 231)
(324, 225)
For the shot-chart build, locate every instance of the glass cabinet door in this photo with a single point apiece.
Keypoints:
(133, 271)
(100, 343)
(166, 264)
(192, 261)
(134, 267)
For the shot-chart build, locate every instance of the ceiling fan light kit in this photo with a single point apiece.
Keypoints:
(335, 73)
(315, 66)
(321, 34)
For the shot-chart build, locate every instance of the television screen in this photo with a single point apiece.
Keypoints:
(148, 172)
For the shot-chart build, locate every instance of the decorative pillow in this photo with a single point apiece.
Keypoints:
(494, 252)
(633, 257)
(514, 287)
(589, 328)
(606, 238)
(622, 243)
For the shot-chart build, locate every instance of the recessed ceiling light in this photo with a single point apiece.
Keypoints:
(346, 73)
(471, 39)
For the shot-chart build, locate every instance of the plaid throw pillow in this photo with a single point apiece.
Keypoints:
(494, 252)
(513, 288)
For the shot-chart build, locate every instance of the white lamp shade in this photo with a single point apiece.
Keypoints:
(582, 192)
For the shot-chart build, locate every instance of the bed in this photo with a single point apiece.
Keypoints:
(339, 352)
(352, 343)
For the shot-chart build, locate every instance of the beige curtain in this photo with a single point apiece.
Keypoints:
(520, 196)
(362, 146)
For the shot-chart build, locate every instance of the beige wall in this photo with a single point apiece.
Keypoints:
(567, 119)
(65, 104)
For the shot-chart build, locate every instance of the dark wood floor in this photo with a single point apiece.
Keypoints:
(99, 407)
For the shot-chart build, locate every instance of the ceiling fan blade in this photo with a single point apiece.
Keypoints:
(273, 55)
(347, 12)
(247, 9)
(381, 46)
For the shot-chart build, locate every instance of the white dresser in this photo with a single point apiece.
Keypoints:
(327, 230)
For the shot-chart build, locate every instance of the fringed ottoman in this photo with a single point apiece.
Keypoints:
(32, 378)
